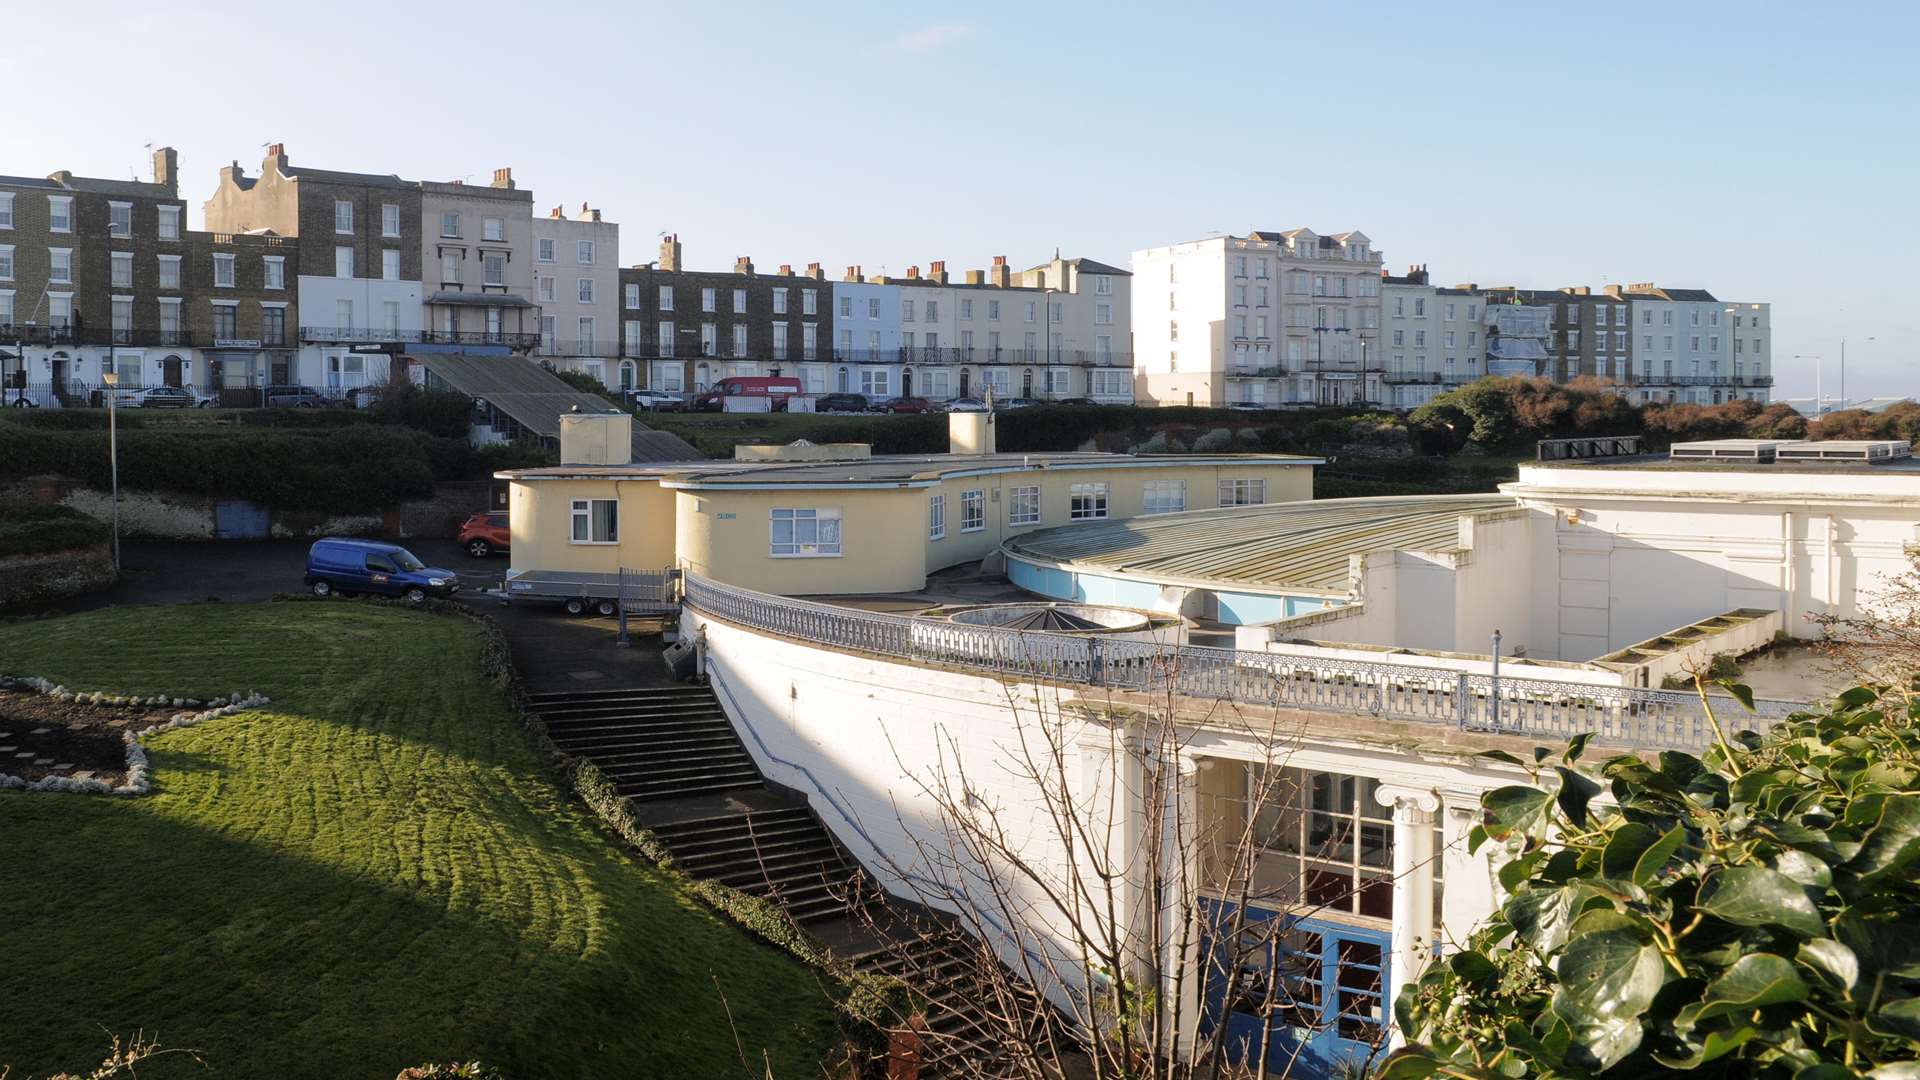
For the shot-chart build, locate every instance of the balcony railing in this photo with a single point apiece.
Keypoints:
(352, 335)
(132, 337)
(1531, 708)
(1269, 372)
(560, 347)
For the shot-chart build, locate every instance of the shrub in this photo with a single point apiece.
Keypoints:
(436, 412)
(1214, 442)
(1743, 913)
(71, 419)
(586, 384)
(35, 528)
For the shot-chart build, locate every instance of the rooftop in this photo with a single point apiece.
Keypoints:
(888, 470)
(1303, 545)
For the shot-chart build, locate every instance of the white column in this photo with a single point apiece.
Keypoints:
(1472, 890)
(1413, 810)
(1184, 843)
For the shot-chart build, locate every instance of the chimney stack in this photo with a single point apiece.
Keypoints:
(276, 157)
(976, 277)
(937, 272)
(913, 273)
(743, 265)
(670, 253)
(814, 272)
(786, 269)
(556, 214)
(503, 178)
(999, 275)
(854, 275)
(166, 169)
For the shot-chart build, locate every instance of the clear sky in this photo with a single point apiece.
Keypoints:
(1767, 151)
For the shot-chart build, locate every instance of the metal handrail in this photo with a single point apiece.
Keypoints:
(1535, 708)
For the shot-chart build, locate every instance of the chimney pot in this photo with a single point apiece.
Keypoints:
(913, 273)
(786, 269)
(503, 178)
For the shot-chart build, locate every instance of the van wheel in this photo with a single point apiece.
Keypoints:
(576, 606)
(416, 596)
(479, 549)
(322, 590)
(606, 607)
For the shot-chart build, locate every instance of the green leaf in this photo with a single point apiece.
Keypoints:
(1577, 746)
(1804, 869)
(1826, 1070)
(1740, 691)
(1899, 1070)
(1501, 755)
(1472, 967)
(1625, 847)
(1411, 1062)
(1605, 977)
(1833, 960)
(1757, 896)
(1901, 1018)
(1516, 809)
(1718, 1043)
(1892, 842)
(1756, 980)
(1599, 1045)
(1576, 791)
(1859, 695)
(1542, 916)
(1655, 858)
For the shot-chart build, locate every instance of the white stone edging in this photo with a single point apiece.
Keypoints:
(138, 781)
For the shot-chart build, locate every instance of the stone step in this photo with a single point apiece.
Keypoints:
(645, 792)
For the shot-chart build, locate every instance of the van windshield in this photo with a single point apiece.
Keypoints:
(404, 560)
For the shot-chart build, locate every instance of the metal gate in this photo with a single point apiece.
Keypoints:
(236, 519)
(1310, 991)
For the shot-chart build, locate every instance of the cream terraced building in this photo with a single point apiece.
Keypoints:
(865, 525)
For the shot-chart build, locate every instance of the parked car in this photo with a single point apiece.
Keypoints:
(966, 404)
(779, 388)
(655, 401)
(153, 397)
(484, 533)
(1075, 401)
(361, 397)
(295, 397)
(1016, 403)
(338, 565)
(840, 403)
(1247, 406)
(908, 405)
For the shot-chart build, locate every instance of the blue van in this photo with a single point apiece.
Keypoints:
(370, 566)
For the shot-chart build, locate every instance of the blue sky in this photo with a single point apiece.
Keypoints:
(1766, 151)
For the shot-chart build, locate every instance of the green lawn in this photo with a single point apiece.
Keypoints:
(375, 871)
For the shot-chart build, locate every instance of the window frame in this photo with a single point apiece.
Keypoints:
(1150, 503)
(937, 516)
(1231, 487)
(582, 512)
(818, 548)
(1089, 500)
(973, 509)
(1018, 497)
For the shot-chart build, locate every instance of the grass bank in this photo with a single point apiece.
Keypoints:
(375, 871)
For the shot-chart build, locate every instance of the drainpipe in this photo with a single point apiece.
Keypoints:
(1496, 680)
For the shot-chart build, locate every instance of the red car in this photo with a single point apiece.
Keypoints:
(908, 405)
(484, 534)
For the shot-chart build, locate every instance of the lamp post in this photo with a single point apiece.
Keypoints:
(112, 379)
(1819, 405)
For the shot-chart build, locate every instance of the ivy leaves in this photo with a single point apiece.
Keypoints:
(1751, 912)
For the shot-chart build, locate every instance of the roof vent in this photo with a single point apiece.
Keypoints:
(1871, 451)
(1750, 451)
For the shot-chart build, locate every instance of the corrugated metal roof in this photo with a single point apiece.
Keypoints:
(1300, 544)
(536, 398)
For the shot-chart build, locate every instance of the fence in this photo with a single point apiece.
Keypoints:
(1533, 708)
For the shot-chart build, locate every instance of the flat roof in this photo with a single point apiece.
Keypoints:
(888, 470)
(1299, 545)
(1663, 463)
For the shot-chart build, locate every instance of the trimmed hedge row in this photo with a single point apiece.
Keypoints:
(35, 528)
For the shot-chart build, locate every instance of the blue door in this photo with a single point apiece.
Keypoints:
(236, 519)
(1310, 992)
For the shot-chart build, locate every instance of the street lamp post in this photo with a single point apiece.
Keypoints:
(112, 379)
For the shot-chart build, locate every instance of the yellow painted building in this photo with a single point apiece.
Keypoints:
(865, 525)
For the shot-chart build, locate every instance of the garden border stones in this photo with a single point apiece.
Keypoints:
(139, 780)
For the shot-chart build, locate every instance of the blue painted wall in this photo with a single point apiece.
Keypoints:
(1236, 608)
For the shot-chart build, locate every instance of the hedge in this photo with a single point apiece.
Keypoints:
(34, 528)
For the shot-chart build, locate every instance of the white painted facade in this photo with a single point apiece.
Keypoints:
(1704, 351)
(394, 308)
(1431, 340)
(576, 282)
(1274, 318)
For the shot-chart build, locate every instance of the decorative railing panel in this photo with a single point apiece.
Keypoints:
(1530, 708)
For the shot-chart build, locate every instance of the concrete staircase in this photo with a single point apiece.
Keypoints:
(781, 854)
(672, 751)
(652, 742)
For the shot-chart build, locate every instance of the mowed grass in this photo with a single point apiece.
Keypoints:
(375, 871)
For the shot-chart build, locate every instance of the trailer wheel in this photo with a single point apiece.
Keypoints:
(606, 607)
(576, 606)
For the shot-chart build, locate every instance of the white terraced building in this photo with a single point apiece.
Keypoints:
(1350, 645)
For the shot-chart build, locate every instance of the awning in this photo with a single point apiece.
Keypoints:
(478, 299)
(536, 399)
